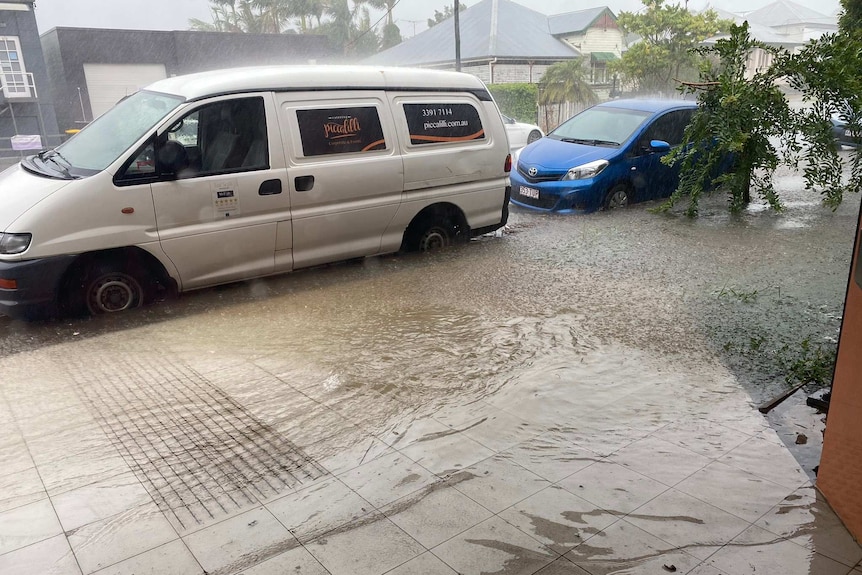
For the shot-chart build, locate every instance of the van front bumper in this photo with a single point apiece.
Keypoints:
(36, 283)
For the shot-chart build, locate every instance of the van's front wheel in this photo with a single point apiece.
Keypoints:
(110, 289)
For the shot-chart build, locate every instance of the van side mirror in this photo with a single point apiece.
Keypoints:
(173, 158)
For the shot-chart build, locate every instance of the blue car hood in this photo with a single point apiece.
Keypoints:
(553, 155)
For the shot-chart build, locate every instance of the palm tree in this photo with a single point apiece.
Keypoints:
(305, 10)
(388, 5)
(567, 82)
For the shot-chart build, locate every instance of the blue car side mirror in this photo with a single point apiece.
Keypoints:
(658, 146)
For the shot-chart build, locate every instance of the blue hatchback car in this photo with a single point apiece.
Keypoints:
(607, 156)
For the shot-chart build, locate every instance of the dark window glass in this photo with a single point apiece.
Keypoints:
(435, 123)
(669, 128)
(340, 131)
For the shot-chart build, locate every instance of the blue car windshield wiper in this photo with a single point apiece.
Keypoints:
(590, 142)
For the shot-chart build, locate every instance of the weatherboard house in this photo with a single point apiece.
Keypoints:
(505, 42)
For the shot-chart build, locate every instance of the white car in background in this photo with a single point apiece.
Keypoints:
(521, 134)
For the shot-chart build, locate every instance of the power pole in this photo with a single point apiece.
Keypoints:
(457, 11)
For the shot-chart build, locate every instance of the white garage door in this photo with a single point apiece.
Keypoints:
(107, 84)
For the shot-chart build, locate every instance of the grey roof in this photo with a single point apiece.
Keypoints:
(785, 12)
(489, 29)
(763, 34)
(757, 31)
(573, 22)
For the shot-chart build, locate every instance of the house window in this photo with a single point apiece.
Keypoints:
(15, 80)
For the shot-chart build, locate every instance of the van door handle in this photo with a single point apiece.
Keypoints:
(270, 188)
(304, 183)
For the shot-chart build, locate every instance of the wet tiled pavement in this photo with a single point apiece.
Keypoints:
(119, 462)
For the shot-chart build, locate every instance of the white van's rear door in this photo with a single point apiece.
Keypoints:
(345, 174)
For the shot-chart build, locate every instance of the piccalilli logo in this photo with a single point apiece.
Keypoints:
(347, 127)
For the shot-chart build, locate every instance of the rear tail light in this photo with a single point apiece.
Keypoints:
(508, 165)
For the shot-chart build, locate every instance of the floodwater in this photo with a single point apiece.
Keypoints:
(598, 330)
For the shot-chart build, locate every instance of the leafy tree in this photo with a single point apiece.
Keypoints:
(306, 11)
(738, 118)
(751, 121)
(663, 55)
(448, 12)
(348, 27)
(391, 36)
(387, 5)
(567, 82)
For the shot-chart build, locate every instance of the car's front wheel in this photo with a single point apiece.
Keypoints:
(618, 197)
(534, 135)
(110, 288)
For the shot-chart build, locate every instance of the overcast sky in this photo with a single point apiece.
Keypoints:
(410, 14)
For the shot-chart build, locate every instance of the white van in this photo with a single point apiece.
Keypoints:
(235, 174)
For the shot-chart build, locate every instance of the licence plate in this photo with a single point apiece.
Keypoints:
(529, 192)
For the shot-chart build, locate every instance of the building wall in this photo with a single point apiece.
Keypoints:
(841, 460)
(183, 52)
(35, 116)
(597, 40)
(504, 73)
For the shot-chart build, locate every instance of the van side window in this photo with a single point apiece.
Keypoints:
(340, 130)
(435, 123)
(226, 136)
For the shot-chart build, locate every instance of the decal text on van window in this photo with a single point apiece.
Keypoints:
(340, 131)
(434, 123)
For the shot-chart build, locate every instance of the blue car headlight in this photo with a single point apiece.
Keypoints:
(585, 171)
(14, 243)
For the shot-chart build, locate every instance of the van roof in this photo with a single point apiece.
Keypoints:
(264, 78)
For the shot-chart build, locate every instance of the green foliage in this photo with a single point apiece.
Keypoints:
(448, 12)
(567, 82)
(851, 17)
(750, 120)
(664, 53)
(809, 363)
(739, 118)
(516, 100)
(741, 295)
(827, 71)
(391, 36)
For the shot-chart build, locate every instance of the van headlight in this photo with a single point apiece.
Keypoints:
(14, 243)
(585, 171)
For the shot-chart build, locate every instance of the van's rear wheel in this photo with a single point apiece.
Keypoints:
(431, 232)
(110, 288)
(435, 237)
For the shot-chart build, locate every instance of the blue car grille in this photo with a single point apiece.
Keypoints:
(540, 177)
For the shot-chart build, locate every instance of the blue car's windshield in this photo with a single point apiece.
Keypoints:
(113, 133)
(600, 126)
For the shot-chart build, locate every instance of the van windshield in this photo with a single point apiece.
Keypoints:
(600, 126)
(113, 133)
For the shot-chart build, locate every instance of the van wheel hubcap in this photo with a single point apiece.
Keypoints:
(113, 293)
(434, 239)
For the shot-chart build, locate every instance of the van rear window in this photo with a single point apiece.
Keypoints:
(435, 123)
(340, 130)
